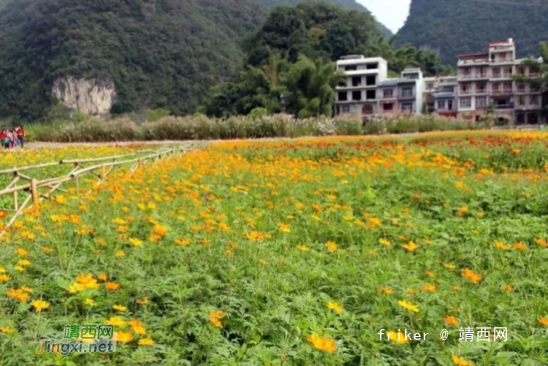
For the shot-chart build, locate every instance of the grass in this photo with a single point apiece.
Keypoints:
(295, 252)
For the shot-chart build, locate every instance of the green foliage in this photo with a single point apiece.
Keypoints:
(154, 115)
(162, 54)
(457, 27)
(346, 4)
(258, 112)
(314, 30)
(310, 87)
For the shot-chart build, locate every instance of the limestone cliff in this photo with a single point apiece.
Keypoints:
(90, 96)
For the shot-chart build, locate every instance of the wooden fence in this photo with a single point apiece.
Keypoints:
(35, 190)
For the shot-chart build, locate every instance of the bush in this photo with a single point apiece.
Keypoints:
(256, 125)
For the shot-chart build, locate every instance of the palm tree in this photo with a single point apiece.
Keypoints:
(310, 87)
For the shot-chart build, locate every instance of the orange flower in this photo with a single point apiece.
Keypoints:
(215, 318)
(450, 320)
(411, 246)
(331, 246)
(475, 278)
(322, 343)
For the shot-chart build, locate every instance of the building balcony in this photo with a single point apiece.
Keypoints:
(353, 87)
(504, 106)
(505, 60)
(407, 97)
(529, 107)
(504, 92)
(478, 76)
(391, 98)
(472, 62)
(501, 76)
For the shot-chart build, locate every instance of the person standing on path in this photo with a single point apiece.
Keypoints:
(20, 133)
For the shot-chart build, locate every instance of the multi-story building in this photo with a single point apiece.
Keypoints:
(359, 94)
(402, 95)
(486, 81)
(445, 96)
(410, 89)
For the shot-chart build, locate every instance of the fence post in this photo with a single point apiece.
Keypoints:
(34, 191)
(15, 202)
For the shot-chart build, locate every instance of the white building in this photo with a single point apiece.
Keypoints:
(360, 95)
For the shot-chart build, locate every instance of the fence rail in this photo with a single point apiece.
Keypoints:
(37, 190)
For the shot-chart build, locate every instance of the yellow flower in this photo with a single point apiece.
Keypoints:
(6, 330)
(331, 246)
(119, 307)
(409, 306)
(116, 321)
(331, 305)
(215, 318)
(24, 263)
(386, 290)
(124, 337)
(429, 288)
(411, 246)
(384, 242)
(322, 343)
(40, 305)
(18, 294)
(21, 252)
(543, 321)
(159, 230)
(303, 248)
(90, 302)
(501, 245)
(182, 242)
(4, 278)
(46, 249)
(146, 342)
(397, 337)
(119, 253)
(461, 362)
(136, 242)
(137, 327)
(285, 228)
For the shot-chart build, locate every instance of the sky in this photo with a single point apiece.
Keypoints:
(391, 13)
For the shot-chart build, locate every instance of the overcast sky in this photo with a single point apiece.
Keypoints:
(391, 13)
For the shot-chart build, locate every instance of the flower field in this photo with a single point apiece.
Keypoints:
(293, 252)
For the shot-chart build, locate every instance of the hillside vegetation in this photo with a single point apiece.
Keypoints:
(347, 4)
(456, 27)
(160, 54)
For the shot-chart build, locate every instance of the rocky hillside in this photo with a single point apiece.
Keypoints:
(466, 26)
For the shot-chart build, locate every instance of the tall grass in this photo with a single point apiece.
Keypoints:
(200, 127)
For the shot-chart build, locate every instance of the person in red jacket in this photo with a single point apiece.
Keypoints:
(3, 137)
(20, 135)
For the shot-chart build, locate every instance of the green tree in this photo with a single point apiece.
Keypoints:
(310, 87)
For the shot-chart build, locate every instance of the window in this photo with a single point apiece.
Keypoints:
(466, 103)
(481, 88)
(356, 81)
(430, 86)
(388, 93)
(532, 118)
(521, 101)
(343, 96)
(388, 107)
(481, 102)
(521, 71)
(372, 66)
(520, 118)
(350, 68)
(371, 80)
(496, 73)
(345, 109)
(534, 99)
(441, 104)
(450, 105)
(407, 106)
(407, 91)
(521, 87)
(371, 94)
(357, 95)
